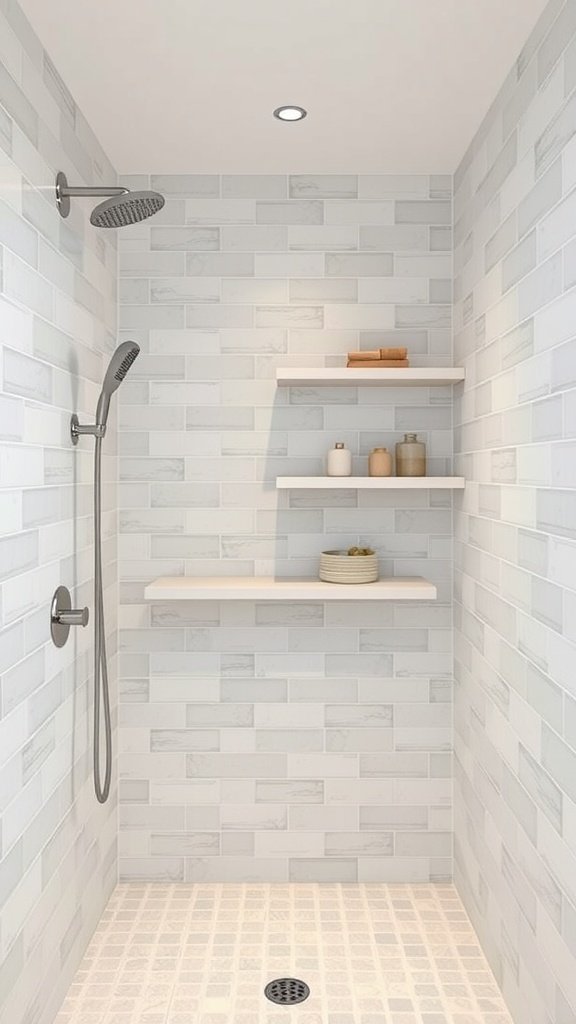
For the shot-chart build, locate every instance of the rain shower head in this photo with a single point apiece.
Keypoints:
(118, 367)
(121, 207)
(128, 208)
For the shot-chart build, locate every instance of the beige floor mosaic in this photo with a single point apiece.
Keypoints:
(202, 954)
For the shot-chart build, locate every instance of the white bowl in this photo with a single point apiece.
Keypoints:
(340, 567)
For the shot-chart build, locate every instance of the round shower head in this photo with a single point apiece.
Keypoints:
(128, 208)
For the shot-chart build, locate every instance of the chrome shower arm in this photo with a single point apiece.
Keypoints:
(92, 190)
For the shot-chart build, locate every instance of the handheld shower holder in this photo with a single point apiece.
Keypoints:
(77, 429)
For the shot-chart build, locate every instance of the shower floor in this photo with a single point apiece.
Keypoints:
(202, 954)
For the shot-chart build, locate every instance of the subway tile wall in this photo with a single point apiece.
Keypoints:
(282, 741)
(57, 319)
(515, 702)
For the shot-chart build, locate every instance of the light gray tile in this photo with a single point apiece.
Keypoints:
(555, 42)
(546, 193)
(416, 212)
(559, 760)
(18, 235)
(253, 238)
(519, 261)
(361, 844)
(216, 264)
(190, 239)
(418, 844)
(541, 286)
(256, 186)
(398, 238)
(237, 766)
(186, 184)
(18, 106)
(301, 791)
(359, 264)
(541, 787)
(290, 212)
(323, 290)
(306, 869)
(555, 137)
(184, 289)
(324, 238)
(501, 242)
(323, 186)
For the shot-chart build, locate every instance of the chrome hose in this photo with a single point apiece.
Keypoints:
(101, 686)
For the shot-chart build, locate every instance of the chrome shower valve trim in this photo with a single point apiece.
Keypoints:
(63, 615)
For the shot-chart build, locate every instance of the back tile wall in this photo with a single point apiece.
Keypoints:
(58, 283)
(515, 707)
(282, 741)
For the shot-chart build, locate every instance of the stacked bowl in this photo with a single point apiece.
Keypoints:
(340, 567)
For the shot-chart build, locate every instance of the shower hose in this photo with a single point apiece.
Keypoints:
(101, 687)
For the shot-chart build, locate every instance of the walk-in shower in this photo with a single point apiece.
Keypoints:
(122, 207)
(118, 367)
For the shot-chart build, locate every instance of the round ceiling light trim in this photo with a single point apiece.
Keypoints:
(289, 112)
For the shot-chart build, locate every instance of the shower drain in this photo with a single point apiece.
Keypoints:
(287, 991)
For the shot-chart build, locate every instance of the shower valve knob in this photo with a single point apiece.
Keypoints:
(75, 617)
(63, 615)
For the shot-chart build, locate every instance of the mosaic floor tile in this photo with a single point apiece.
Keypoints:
(203, 954)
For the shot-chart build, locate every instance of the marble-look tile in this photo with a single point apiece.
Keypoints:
(515, 202)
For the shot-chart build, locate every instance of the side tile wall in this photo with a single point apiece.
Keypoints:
(57, 323)
(515, 701)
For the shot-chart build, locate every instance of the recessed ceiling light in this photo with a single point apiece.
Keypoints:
(290, 113)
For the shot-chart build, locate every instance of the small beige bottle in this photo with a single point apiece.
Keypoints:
(410, 456)
(380, 462)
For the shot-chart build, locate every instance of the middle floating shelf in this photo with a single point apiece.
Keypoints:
(370, 483)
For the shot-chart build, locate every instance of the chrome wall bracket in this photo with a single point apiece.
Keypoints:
(78, 429)
(63, 615)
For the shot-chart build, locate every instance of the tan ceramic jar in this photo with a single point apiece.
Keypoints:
(410, 456)
(380, 462)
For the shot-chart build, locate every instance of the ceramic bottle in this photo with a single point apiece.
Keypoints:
(410, 456)
(380, 462)
(339, 462)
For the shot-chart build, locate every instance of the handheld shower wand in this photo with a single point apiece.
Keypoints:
(118, 367)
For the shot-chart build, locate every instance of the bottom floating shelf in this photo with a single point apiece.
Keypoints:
(266, 588)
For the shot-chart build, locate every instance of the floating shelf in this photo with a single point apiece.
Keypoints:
(266, 588)
(370, 483)
(342, 376)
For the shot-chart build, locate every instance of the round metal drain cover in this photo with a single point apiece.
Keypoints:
(287, 991)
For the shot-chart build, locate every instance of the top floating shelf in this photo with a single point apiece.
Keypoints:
(342, 376)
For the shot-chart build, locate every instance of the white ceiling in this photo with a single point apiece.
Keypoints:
(183, 86)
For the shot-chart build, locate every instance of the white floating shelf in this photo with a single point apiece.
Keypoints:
(342, 376)
(250, 588)
(370, 483)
